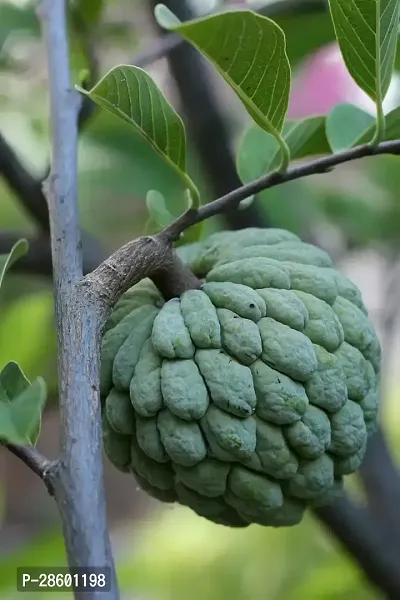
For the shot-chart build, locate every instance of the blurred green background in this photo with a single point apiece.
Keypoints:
(165, 553)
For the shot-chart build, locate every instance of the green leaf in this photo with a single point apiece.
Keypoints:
(249, 51)
(157, 207)
(19, 249)
(12, 382)
(306, 137)
(367, 33)
(247, 202)
(165, 17)
(345, 124)
(392, 129)
(21, 406)
(131, 94)
(258, 152)
(160, 217)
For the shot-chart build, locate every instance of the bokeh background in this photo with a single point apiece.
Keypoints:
(354, 213)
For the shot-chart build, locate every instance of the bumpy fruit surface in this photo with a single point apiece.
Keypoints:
(250, 399)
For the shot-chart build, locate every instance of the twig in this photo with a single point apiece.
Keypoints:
(232, 200)
(141, 257)
(38, 259)
(149, 256)
(370, 546)
(32, 458)
(37, 463)
(78, 477)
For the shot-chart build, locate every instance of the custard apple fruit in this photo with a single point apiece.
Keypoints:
(249, 399)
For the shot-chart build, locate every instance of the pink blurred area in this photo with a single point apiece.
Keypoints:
(324, 82)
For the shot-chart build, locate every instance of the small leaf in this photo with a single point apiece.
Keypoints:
(19, 249)
(306, 137)
(256, 153)
(21, 405)
(8, 431)
(160, 217)
(367, 33)
(12, 382)
(246, 203)
(157, 207)
(192, 234)
(131, 94)
(166, 18)
(345, 124)
(249, 51)
(392, 129)
(259, 152)
(27, 408)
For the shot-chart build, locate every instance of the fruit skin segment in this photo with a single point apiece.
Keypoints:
(249, 399)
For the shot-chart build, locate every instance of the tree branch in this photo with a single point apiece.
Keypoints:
(142, 257)
(369, 545)
(315, 167)
(381, 480)
(78, 476)
(38, 259)
(37, 463)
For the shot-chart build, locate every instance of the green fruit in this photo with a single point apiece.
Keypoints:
(249, 399)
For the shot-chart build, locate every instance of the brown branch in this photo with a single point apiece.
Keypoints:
(38, 260)
(37, 463)
(148, 256)
(232, 200)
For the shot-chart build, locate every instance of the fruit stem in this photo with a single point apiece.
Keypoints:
(174, 278)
